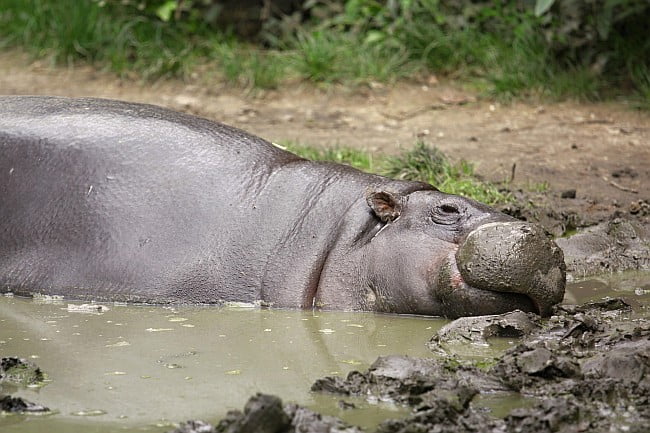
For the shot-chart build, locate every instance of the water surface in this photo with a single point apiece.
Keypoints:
(139, 368)
(142, 366)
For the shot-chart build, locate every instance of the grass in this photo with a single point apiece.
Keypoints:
(356, 158)
(356, 46)
(641, 79)
(247, 67)
(422, 162)
(538, 187)
(68, 31)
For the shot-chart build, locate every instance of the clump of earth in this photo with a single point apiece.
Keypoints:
(14, 373)
(265, 413)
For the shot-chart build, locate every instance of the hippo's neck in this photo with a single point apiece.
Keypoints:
(323, 225)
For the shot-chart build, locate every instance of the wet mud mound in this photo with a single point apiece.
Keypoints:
(615, 245)
(20, 405)
(266, 414)
(596, 237)
(14, 373)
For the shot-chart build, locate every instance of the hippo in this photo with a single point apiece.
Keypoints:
(116, 201)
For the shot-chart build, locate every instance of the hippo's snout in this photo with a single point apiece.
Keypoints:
(514, 257)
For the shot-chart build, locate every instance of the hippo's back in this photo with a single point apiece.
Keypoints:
(94, 192)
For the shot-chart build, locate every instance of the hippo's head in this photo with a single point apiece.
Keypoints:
(439, 254)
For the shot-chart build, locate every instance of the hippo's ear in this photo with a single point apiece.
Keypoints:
(386, 205)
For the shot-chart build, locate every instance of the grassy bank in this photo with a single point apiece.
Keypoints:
(599, 49)
(422, 162)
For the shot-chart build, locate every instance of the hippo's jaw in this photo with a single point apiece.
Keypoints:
(502, 266)
(459, 299)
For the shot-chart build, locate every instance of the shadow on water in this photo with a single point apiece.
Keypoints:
(139, 368)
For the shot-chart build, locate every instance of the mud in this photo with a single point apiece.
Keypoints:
(17, 372)
(612, 246)
(586, 369)
(477, 330)
(266, 414)
(20, 405)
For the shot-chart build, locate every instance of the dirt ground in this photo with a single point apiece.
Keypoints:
(600, 150)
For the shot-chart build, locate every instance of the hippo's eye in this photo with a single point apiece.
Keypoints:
(446, 214)
(449, 209)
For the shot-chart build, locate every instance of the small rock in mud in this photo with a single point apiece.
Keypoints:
(625, 172)
(307, 421)
(610, 304)
(478, 329)
(20, 405)
(262, 413)
(19, 372)
(87, 308)
(195, 426)
(639, 207)
(345, 405)
(265, 414)
(526, 365)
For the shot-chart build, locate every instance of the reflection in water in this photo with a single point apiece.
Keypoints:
(138, 368)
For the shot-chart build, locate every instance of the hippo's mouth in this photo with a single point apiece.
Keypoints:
(462, 299)
(504, 266)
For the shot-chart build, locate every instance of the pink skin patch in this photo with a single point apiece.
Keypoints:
(455, 278)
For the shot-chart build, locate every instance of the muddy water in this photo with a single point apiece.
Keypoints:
(143, 365)
(139, 368)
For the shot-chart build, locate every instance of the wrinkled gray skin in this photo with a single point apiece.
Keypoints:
(110, 200)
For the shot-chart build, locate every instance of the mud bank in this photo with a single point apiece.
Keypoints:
(596, 236)
(586, 369)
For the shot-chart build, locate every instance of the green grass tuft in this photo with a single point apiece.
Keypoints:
(103, 34)
(422, 163)
(641, 80)
(247, 67)
(429, 164)
(356, 158)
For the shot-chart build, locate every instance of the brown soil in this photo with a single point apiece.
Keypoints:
(601, 150)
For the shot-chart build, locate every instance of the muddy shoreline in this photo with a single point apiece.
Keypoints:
(587, 368)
